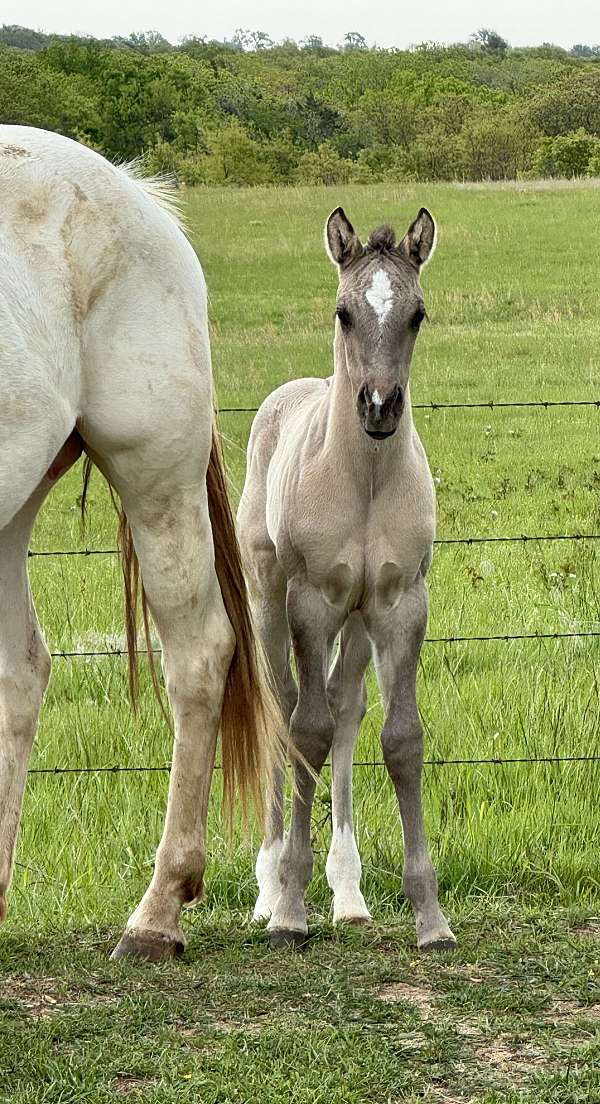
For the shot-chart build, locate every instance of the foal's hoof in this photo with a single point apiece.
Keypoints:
(285, 939)
(147, 945)
(448, 944)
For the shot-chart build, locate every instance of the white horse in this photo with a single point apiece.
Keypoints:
(104, 347)
(336, 523)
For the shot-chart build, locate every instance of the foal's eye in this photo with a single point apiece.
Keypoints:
(418, 317)
(344, 316)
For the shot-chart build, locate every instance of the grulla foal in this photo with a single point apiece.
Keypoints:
(336, 523)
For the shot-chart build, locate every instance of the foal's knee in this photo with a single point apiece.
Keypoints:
(402, 746)
(312, 732)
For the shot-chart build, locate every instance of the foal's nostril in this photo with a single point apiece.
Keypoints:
(398, 401)
(363, 400)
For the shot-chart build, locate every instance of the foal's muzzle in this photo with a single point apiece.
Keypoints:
(380, 414)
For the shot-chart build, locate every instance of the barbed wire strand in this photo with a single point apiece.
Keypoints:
(516, 538)
(503, 637)
(491, 761)
(490, 404)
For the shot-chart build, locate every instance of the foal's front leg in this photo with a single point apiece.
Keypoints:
(397, 629)
(347, 693)
(314, 623)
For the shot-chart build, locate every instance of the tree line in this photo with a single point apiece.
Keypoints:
(248, 111)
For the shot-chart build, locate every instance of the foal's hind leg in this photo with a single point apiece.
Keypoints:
(347, 694)
(173, 541)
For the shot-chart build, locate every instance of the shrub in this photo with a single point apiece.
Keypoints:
(323, 166)
(567, 155)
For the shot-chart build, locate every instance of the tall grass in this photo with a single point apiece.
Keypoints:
(512, 297)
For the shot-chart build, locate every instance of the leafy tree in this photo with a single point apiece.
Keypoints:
(148, 42)
(323, 166)
(567, 155)
(569, 104)
(253, 40)
(582, 51)
(489, 40)
(33, 95)
(234, 157)
(314, 44)
(354, 41)
(22, 37)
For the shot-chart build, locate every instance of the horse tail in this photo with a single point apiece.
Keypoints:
(134, 597)
(251, 723)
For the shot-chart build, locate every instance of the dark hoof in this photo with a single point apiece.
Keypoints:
(150, 946)
(439, 945)
(283, 939)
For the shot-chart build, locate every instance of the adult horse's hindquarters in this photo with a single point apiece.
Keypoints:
(104, 345)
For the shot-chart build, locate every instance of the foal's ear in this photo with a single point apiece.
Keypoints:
(341, 241)
(419, 241)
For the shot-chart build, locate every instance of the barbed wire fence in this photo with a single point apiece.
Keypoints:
(509, 538)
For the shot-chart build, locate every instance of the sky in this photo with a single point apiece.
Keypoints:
(382, 22)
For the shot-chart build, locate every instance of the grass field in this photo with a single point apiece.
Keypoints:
(513, 1015)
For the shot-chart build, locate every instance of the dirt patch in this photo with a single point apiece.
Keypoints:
(126, 1083)
(225, 1027)
(44, 997)
(397, 992)
(562, 1011)
(476, 975)
(515, 1061)
(590, 928)
(468, 1028)
(446, 1097)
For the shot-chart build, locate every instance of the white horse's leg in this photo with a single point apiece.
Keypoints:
(173, 541)
(397, 634)
(347, 694)
(24, 661)
(24, 674)
(268, 606)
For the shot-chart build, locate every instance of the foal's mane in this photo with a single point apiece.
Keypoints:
(382, 240)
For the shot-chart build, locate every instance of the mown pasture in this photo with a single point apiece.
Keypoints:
(512, 295)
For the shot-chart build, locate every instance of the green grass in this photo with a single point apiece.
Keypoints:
(512, 296)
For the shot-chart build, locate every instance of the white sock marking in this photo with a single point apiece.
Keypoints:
(267, 876)
(343, 872)
(380, 295)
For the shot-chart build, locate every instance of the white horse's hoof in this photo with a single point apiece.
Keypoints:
(149, 945)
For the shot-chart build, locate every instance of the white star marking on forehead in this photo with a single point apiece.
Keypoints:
(380, 295)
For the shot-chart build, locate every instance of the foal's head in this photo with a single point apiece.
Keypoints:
(379, 310)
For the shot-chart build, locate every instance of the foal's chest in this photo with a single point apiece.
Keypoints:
(355, 562)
